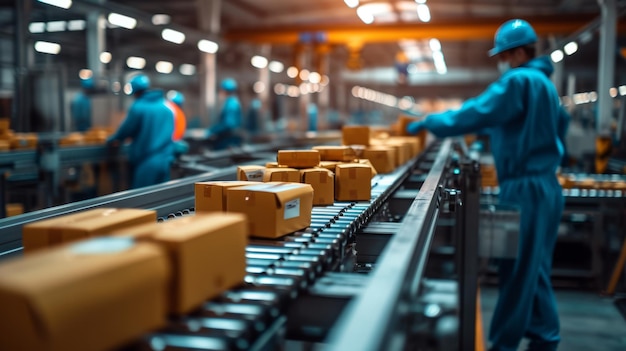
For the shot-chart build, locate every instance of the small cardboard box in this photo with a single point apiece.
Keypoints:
(329, 165)
(323, 183)
(414, 143)
(5, 145)
(273, 209)
(5, 124)
(298, 158)
(23, 141)
(97, 294)
(383, 158)
(282, 174)
(400, 152)
(336, 153)
(211, 196)
(81, 225)
(365, 161)
(14, 209)
(353, 182)
(250, 173)
(273, 165)
(72, 139)
(355, 135)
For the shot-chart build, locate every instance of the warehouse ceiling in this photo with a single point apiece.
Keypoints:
(368, 53)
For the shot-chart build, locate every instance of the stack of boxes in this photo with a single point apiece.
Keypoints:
(15, 141)
(5, 145)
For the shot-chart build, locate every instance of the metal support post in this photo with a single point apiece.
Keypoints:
(606, 65)
(21, 97)
(209, 20)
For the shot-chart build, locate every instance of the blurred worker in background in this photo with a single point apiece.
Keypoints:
(175, 102)
(522, 114)
(227, 131)
(150, 124)
(81, 106)
(253, 119)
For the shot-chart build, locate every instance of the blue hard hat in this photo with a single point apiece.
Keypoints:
(87, 83)
(140, 83)
(177, 97)
(512, 34)
(229, 84)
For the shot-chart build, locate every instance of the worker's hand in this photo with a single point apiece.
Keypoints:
(415, 127)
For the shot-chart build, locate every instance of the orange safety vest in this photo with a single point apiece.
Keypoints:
(180, 121)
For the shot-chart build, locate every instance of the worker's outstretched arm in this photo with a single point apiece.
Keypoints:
(129, 127)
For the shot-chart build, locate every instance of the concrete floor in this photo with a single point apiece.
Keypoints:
(589, 322)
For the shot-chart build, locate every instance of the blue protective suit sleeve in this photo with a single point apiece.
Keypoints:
(230, 118)
(129, 127)
(499, 103)
(564, 119)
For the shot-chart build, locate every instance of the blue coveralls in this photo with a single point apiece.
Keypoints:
(150, 124)
(228, 127)
(522, 114)
(81, 112)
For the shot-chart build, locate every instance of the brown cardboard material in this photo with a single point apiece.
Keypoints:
(5, 145)
(14, 209)
(81, 225)
(336, 153)
(323, 183)
(250, 173)
(414, 143)
(353, 182)
(211, 196)
(273, 165)
(365, 161)
(355, 135)
(298, 158)
(273, 209)
(82, 297)
(329, 165)
(383, 158)
(283, 174)
(23, 141)
(5, 124)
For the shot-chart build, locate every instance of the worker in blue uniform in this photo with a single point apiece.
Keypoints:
(81, 106)
(521, 112)
(227, 131)
(149, 124)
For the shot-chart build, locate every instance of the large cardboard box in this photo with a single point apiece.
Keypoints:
(282, 174)
(250, 173)
(97, 294)
(323, 183)
(353, 182)
(273, 209)
(383, 158)
(336, 153)
(211, 196)
(365, 161)
(81, 225)
(298, 158)
(355, 135)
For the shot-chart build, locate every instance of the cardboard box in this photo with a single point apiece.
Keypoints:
(355, 135)
(211, 196)
(23, 141)
(298, 158)
(282, 174)
(336, 153)
(323, 183)
(273, 165)
(353, 182)
(98, 294)
(273, 209)
(400, 152)
(365, 161)
(5, 145)
(414, 143)
(5, 124)
(329, 165)
(81, 225)
(14, 209)
(382, 158)
(250, 173)
(72, 139)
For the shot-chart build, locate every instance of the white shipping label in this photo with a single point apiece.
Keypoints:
(255, 176)
(292, 209)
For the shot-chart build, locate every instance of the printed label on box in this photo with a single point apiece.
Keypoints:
(255, 176)
(292, 209)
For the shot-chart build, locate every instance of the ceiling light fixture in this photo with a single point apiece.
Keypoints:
(292, 72)
(258, 61)
(136, 62)
(76, 25)
(208, 46)
(47, 47)
(570, 48)
(37, 27)
(55, 26)
(64, 4)
(556, 56)
(122, 21)
(352, 3)
(276, 66)
(105, 57)
(187, 69)
(161, 19)
(365, 15)
(423, 12)
(173, 36)
(164, 67)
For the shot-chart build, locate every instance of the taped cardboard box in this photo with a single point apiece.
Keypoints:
(211, 196)
(365, 161)
(250, 173)
(329, 165)
(282, 174)
(81, 225)
(383, 158)
(273, 209)
(298, 158)
(353, 182)
(273, 165)
(336, 153)
(97, 294)
(323, 183)
(355, 135)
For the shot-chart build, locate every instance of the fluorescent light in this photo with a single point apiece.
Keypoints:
(556, 56)
(365, 15)
(280, 89)
(37, 27)
(435, 45)
(423, 12)
(85, 73)
(161, 19)
(613, 92)
(208, 46)
(292, 72)
(76, 25)
(187, 69)
(570, 48)
(55, 26)
(258, 87)
(164, 67)
(352, 3)
(258, 61)
(440, 62)
(304, 74)
(122, 21)
(276, 66)
(315, 78)
(47, 47)
(420, 1)
(64, 4)
(105, 57)
(324, 81)
(622, 90)
(136, 62)
(173, 36)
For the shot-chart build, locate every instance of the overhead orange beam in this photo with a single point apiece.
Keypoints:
(465, 30)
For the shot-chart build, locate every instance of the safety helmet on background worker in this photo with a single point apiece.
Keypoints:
(229, 85)
(176, 97)
(87, 83)
(139, 83)
(513, 34)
